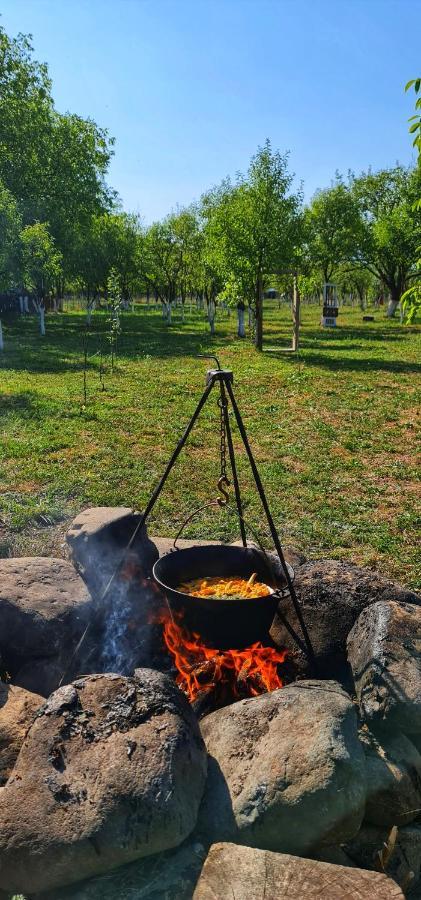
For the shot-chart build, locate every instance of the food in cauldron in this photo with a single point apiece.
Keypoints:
(234, 588)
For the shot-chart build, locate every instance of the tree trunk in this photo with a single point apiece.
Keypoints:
(211, 315)
(25, 304)
(89, 310)
(296, 315)
(241, 332)
(393, 304)
(42, 320)
(258, 335)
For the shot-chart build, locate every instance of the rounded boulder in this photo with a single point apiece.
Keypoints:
(113, 769)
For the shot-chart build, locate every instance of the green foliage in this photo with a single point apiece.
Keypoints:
(252, 228)
(54, 165)
(41, 261)
(333, 230)
(10, 226)
(415, 127)
(411, 300)
(391, 225)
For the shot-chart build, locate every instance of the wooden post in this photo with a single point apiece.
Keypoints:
(296, 313)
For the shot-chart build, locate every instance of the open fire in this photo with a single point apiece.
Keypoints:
(226, 674)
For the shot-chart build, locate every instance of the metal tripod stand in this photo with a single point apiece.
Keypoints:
(224, 378)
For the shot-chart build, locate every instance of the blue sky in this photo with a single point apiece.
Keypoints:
(190, 88)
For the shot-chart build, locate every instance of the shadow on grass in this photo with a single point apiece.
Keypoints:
(62, 348)
(350, 364)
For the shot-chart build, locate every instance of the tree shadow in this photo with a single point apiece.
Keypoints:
(361, 364)
(62, 349)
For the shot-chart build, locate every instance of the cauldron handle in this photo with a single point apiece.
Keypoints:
(192, 516)
(281, 592)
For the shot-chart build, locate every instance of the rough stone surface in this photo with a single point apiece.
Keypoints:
(332, 594)
(246, 873)
(98, 538)
(113, 769)
(44, 609)
(166, 876)
(403, 864)
(393, 768)
(123, 637)
(17, 712)
(384, 650)
(286, 770)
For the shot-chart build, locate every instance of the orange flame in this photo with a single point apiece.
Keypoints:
(234, 673)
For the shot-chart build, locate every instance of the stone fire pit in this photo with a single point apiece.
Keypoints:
(113, 788)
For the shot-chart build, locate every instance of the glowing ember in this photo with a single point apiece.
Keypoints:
(231, 674)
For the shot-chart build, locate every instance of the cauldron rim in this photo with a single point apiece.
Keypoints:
(204, 548)
(233, 623)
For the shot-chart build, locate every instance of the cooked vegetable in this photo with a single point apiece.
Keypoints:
(226, 588)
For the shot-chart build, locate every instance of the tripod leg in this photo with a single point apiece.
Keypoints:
(271, 524)
(233, 466)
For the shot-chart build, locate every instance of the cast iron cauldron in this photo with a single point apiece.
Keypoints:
(222, 624)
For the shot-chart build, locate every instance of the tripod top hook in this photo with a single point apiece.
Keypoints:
(209, 356)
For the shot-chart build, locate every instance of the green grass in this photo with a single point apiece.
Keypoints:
(333, 429)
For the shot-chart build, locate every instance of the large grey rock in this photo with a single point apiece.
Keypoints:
(384, 653)
(17, 712)
(98, 539)
(44, 610)
(245, 873)
(112, 770)
(118, 578)
(286, 770)
(332, 594)
(393, 767)
(166, 876)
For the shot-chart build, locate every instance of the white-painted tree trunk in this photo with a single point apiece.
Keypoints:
(55, 304)
(40, 310)
(21, 305)
(167, 312)
(89, 310)
(250, 317)
(391, 308)
(1, 338)
(182, 313)
(211, 315)
(25, 305)
(241, 324)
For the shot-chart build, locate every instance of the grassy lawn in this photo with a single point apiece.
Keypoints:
(333, 430)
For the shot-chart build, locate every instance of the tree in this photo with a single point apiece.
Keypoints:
(74, 190)
(10, 226)
(53, 164)
(334, 228)
(253, 227)
(163, 261)
(40, 264)
(391, 226)
(25, 118)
